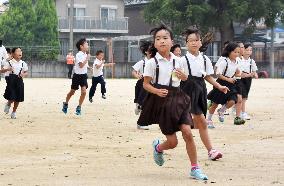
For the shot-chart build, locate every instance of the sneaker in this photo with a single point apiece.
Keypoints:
(90, 100)
(158, 156)
(7, 108)
(198, 174)
(78, 110)
(139, 127)
(210, 124)
(214, 154)
(137, 109)
(221, 115)
(209, 104)
(103, 96)
(239, 121)
(65, 107)
(245, 116)
(13, 115)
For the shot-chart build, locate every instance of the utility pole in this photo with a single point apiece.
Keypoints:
(71, 20)
(272, 53)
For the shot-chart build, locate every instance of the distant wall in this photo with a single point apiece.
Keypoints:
(54, 69)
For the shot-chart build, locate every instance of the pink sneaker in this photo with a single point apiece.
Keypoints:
(215, 154)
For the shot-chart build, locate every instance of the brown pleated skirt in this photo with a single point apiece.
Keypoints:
(169, 112)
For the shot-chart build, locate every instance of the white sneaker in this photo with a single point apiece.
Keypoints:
(7, 108)
(245, 116)
(226, 113)
(137, 109)
(142, 127)
(13, 115)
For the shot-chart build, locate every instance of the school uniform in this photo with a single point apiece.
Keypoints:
(80, 74)
(15, 85)
(196, 67)
(140, 92)
(247, 66)
(170, 111)
(97, 78)
(228, 69)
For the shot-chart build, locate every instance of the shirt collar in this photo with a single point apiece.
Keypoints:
(191, 55)
(159, 57)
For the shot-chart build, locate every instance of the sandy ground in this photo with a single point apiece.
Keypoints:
(43, 146)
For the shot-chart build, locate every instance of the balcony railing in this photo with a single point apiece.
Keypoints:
(93, 24)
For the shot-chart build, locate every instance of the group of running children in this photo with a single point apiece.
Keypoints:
(170, 91)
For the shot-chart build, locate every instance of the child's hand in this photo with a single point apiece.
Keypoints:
(180, 74)
(88, 57)
(223, 89)
(231, 80)
(9, 69)
(162, 92)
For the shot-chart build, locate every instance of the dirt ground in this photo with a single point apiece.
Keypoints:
(43, 146)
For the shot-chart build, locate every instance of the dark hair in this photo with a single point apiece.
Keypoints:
(226, 43)
(231, 46)
(8, 50)
(246, 45)
(14, 49)
(99, 52)
(175, 46)
(239, 42)
(80, 42)
(145, 46)
(154, 31)
(189, 31)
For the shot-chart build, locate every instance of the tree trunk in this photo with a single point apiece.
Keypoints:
(227, 33)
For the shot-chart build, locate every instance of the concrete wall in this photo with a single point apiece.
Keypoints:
(54, 69)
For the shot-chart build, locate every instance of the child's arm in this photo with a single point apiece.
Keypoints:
(147, 86)
(212, 81)
(230, 80)
(136, 74)
(99, 65)
(83, 63)
(24, 74)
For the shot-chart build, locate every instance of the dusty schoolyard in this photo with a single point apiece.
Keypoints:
(43, 146)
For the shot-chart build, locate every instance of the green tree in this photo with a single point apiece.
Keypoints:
(45, 31)
(17, 23)
(207, 15)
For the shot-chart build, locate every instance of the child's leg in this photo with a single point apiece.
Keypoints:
(93, 88)
(103, 85)
(190, 145)
(200, 122)
(83, 95)
(69, 95)
(212, 110)
(244, 100)
(170, 143)
(239, 106)
(16, 104)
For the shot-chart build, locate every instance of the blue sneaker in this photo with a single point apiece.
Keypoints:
(78, 110)
(198, 174)
(158, 156)
(65, 107)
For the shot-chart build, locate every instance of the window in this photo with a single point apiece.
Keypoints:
(108, 13)
(281, 35)
(78, 12)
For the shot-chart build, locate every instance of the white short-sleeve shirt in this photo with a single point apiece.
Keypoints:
(80, 58)
(197, 65)
(248, 65)
(223, 63)
(3, 55)
(97, 71)
(140, 65)
(17, 66)
(166, 69)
